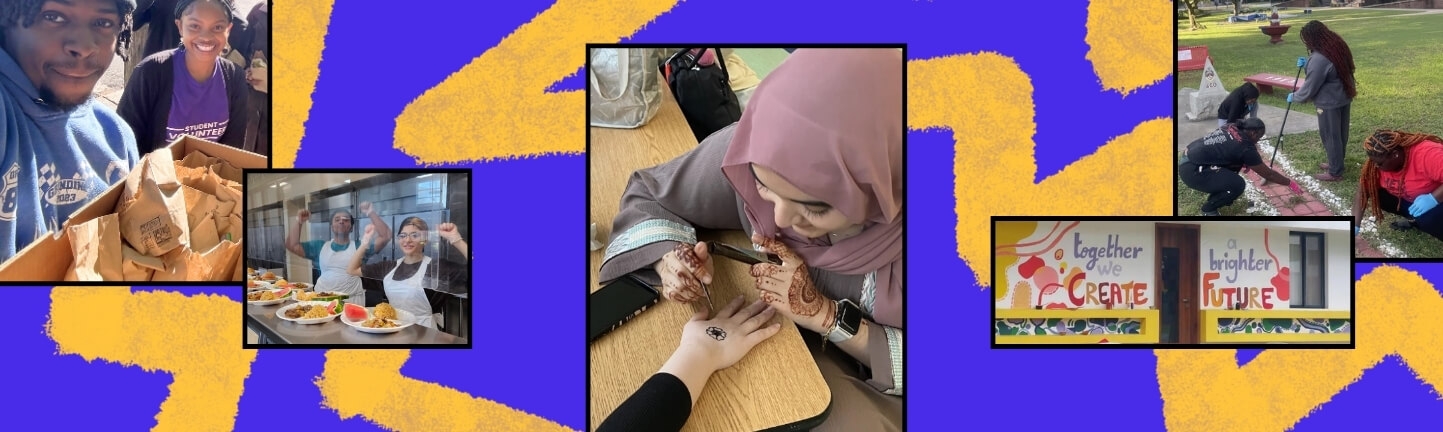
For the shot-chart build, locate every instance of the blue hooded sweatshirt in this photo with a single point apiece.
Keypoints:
(53, 161)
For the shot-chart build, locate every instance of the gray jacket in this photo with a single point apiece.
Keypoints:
(1324, 88)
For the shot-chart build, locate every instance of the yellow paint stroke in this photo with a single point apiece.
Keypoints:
(1010, 232)
(986, 100)
(192, 338)
(496, 107)
(369, 383)
(1129, 51)
(1205, 390)
(294, 74)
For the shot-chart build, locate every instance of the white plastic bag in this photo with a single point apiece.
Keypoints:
(625, 86)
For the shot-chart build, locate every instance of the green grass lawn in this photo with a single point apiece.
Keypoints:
(1399, 56)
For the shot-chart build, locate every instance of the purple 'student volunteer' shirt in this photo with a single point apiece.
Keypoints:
(197, 109)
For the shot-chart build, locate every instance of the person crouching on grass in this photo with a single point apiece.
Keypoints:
(1211, 164)
(1241, 103)
(1403, 176)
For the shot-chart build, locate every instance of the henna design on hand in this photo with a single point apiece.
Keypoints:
(716, 333)
(805, 301)
(687, 254)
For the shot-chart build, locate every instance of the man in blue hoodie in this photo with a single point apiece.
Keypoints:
(59, 148)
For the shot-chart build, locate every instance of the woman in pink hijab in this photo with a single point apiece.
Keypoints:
(814, 172)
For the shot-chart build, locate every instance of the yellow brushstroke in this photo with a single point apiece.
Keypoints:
(987, 101)
(1129, 51)
(369, 383)
(1207, 391)
(192, 338)
(294, 73)
(1009, 232)
(496, 107)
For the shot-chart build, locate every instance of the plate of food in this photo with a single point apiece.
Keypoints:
(268, 276)
(267, 297)
(380, 319)
(321, 296)
(310, 312)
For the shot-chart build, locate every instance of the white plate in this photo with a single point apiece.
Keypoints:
(268, 302)
(281, 313)
(403, 319)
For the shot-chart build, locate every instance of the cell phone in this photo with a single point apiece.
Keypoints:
(744, 256)
(618, 302)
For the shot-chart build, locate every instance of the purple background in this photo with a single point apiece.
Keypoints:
(379, 57)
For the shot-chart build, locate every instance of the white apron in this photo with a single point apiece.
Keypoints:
(409, 295)
(334, 275)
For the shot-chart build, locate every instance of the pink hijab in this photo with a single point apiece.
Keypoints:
(830, 122)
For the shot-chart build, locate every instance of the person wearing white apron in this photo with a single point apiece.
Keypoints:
(334, 277)
(330, 262)
(409, 293)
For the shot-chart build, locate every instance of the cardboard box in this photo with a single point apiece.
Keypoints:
(48, 259)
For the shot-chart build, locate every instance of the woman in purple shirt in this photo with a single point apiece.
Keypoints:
(189, 90)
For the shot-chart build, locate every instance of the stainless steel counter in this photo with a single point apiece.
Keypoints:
(274, 330)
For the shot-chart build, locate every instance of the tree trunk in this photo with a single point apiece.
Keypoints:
(1237, 7)
(1192, 14)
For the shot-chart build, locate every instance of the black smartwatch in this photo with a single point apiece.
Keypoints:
(847, 322)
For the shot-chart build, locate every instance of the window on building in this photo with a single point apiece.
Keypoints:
(1308, 271)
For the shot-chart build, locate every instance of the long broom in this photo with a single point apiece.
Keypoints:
(1285, 119)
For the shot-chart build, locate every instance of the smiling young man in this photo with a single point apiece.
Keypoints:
(59, 149)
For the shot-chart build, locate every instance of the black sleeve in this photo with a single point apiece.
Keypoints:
(135, 105)
(238, 91)
(1250, 156)
(1233, 108)
(376, 271)
(661, 404)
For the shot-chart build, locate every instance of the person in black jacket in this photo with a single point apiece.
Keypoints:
(664, 402)
(190, 90)
(1241, 103)
(1211, 164)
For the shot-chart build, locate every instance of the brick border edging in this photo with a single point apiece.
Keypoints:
(1280, 197)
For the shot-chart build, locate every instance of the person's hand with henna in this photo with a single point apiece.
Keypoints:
(683, 271)
(789, 288)
(707, 346)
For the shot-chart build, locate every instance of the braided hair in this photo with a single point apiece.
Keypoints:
(1383, 142)
(25, 12)
(1319, 38)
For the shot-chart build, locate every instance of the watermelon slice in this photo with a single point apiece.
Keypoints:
(355, 312)
(334, 307)
(283, 293)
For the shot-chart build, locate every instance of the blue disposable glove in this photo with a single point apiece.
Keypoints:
(1355, 231)
(1422, 204)
(1302, 61)
(1290, 98)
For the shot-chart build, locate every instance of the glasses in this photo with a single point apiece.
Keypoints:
(413, 236)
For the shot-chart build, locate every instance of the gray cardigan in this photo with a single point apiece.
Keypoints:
(1324, 87)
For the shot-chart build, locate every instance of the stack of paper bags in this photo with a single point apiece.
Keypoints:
(177, 221)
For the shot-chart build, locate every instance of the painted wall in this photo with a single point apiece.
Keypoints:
(1075, 265)
(1244, 265)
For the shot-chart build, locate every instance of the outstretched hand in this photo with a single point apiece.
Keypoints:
(789, 287)
(723, 340)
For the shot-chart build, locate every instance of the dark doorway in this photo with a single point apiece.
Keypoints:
(1167, 299)
(1177, 273)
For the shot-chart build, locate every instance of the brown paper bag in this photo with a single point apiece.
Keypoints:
(233, 230)
(227, 172)
(204, 235)
(223, 260)
(197, 159)
(96, 244)
(152, 210)
(138, 267)
(182, 265)
(189, 176)
(197, 205)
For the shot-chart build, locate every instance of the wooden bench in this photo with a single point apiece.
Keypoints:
(1266, 82)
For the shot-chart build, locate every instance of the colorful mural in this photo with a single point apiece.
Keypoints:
(1074, 265)
(1236, 276)
(1275, 325)
(1062, 327)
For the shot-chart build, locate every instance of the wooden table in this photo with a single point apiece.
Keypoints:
(777, 384)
